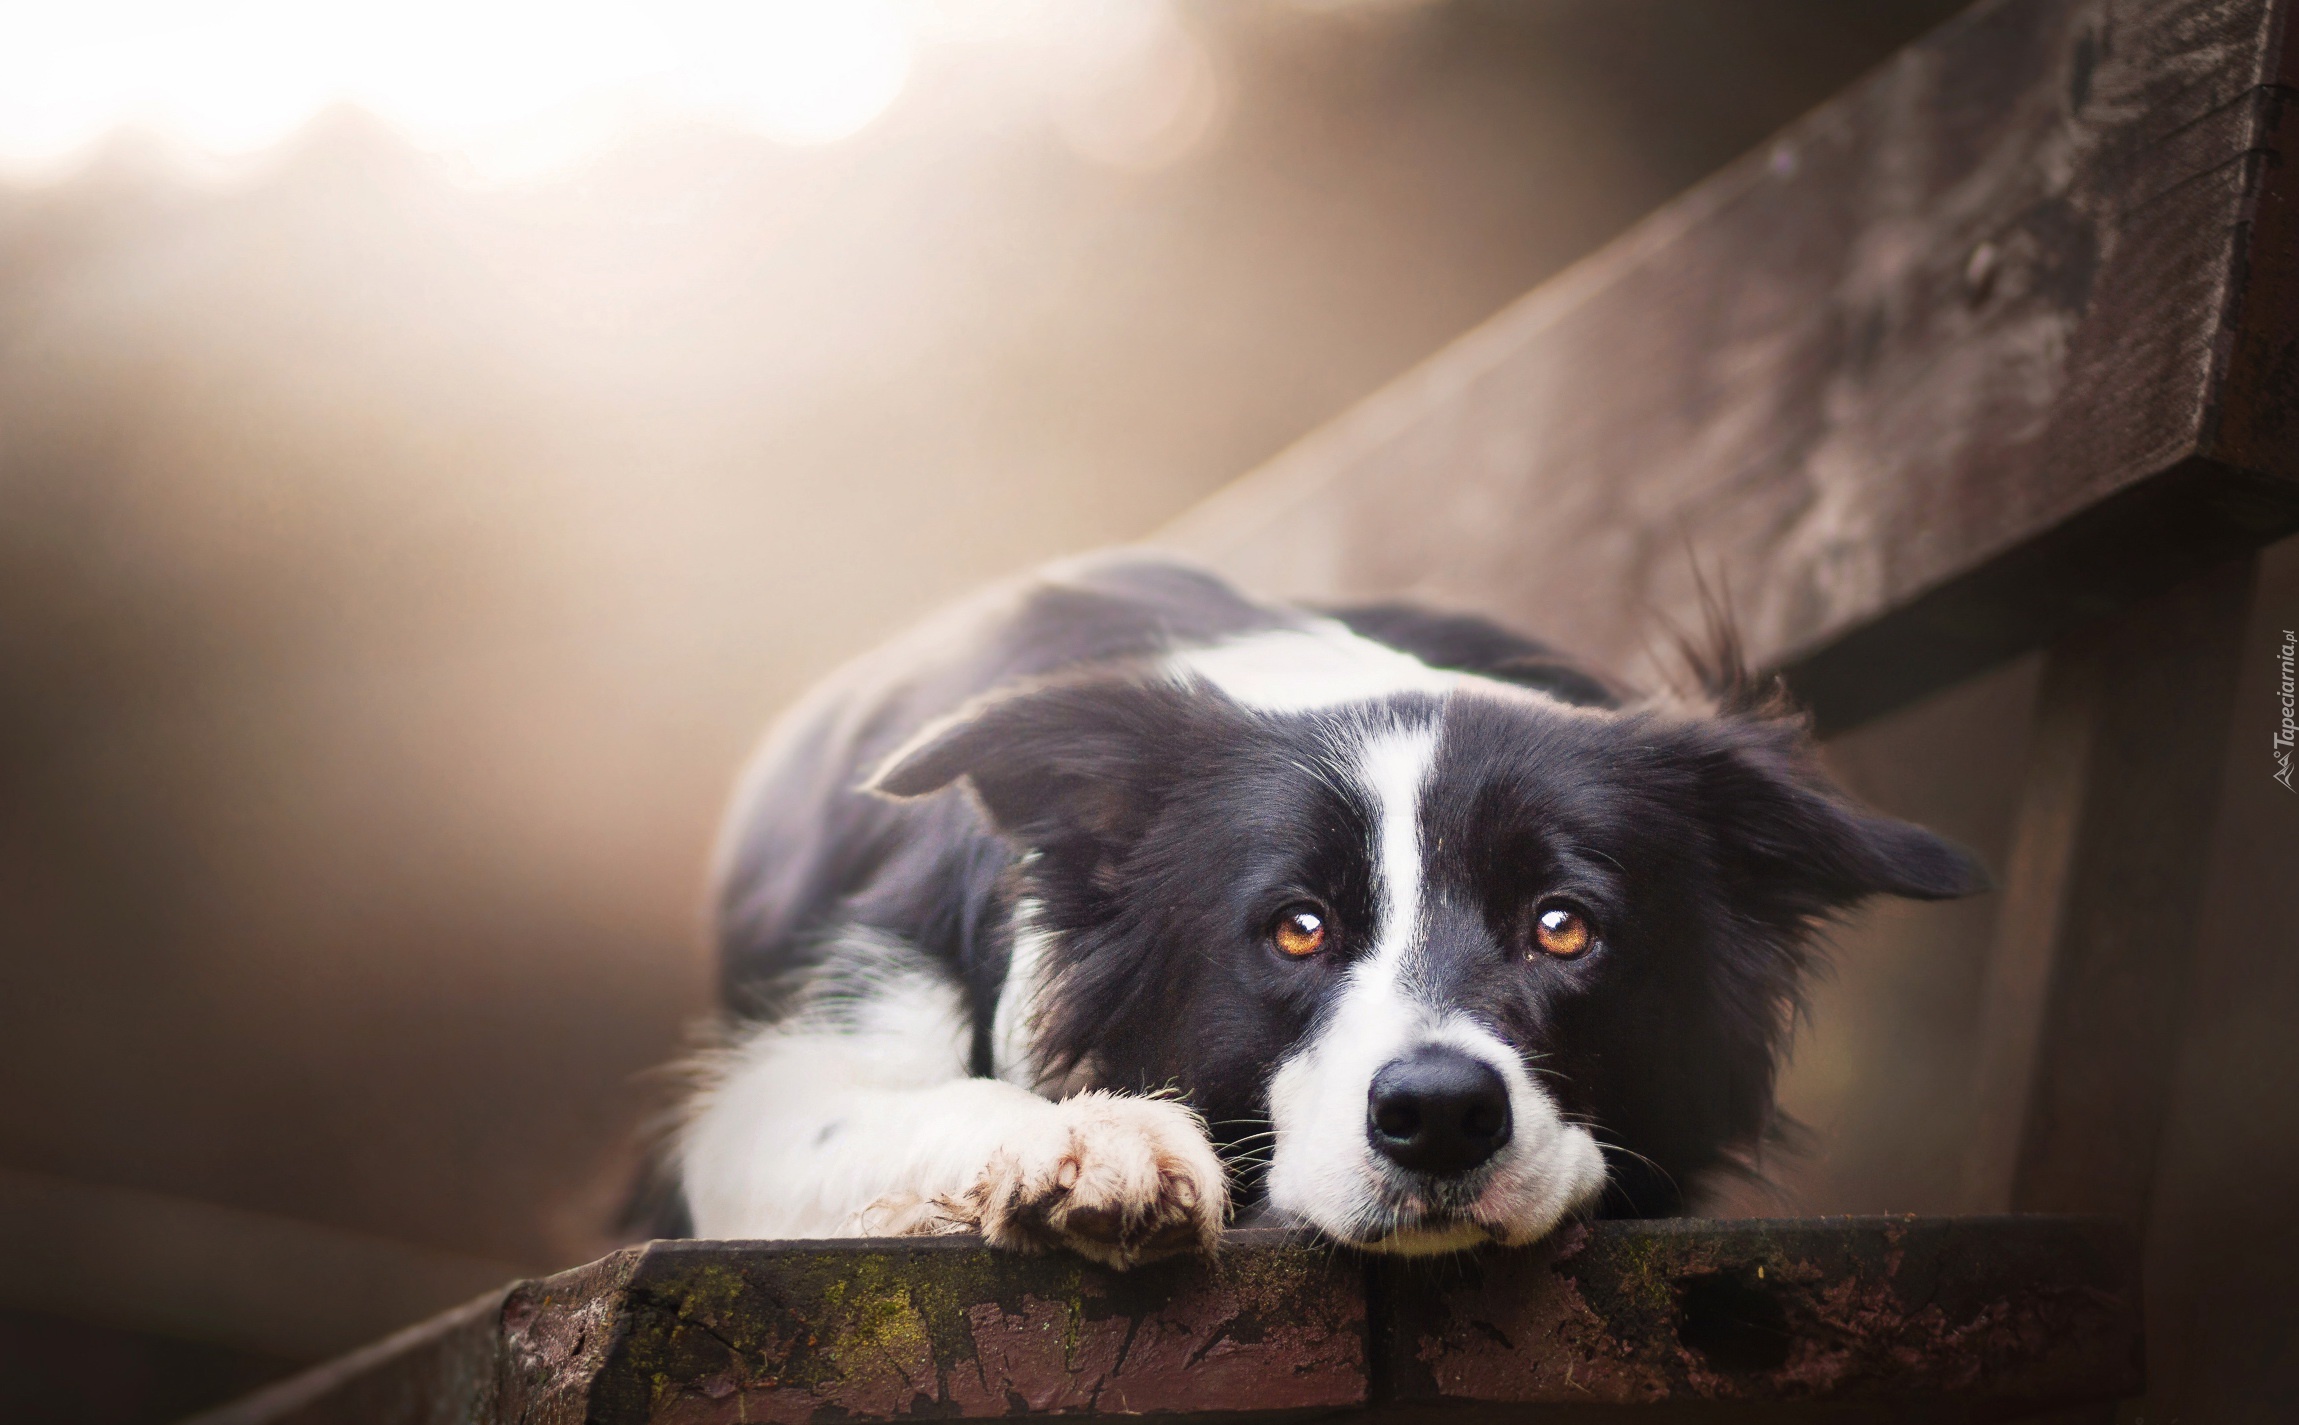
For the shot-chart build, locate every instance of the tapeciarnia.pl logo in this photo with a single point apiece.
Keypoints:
(2287, 693)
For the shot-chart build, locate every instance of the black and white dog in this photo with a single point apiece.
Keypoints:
(1114, 898)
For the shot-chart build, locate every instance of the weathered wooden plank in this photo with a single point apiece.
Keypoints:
(2000, 338)
(1933, 1317)
(2103, 901)
(443, 1371)
(940, 1328)
(196, 1271)
(1936, 1318)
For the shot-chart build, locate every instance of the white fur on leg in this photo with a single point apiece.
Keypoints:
(868, 1124)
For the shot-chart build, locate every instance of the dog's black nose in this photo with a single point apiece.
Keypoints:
(1438, 1110)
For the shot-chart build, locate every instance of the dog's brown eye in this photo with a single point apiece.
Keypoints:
(1562, 931)
(1299, 932)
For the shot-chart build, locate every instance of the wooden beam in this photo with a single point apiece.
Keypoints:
(2082, 1010)
(442, 1371)
(2001, 338)
(1842, 1312)
(1903, 1318)
(195, 1271)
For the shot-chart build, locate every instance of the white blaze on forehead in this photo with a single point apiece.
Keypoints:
(1320, 665)
(1392, 767)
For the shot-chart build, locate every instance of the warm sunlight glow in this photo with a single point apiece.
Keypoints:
(517, 85)
(516, 90)
(803, 71)
(1132, 86)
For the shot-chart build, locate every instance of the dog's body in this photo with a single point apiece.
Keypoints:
(1388, 924)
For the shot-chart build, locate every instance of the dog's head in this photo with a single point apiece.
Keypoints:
(1441, 959)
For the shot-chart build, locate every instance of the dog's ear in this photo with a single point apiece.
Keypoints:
(1793, 845)
(1085, 760)
(1785, 830)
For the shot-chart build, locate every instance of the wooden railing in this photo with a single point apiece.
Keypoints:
(1999, 350)
(2001, 339)
(1922, 1318)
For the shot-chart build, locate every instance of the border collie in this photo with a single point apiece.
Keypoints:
(1114, 900)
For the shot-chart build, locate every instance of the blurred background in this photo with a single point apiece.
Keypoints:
(435, 438)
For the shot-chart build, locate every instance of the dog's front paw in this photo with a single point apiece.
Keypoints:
(1121, 1180)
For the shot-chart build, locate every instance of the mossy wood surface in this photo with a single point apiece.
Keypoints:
(1900, 1318)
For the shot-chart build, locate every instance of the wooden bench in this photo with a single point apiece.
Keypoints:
(1994, 352)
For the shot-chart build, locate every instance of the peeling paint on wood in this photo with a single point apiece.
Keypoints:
(1933, 1318)
(932, 1329)
(2037, 1311)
